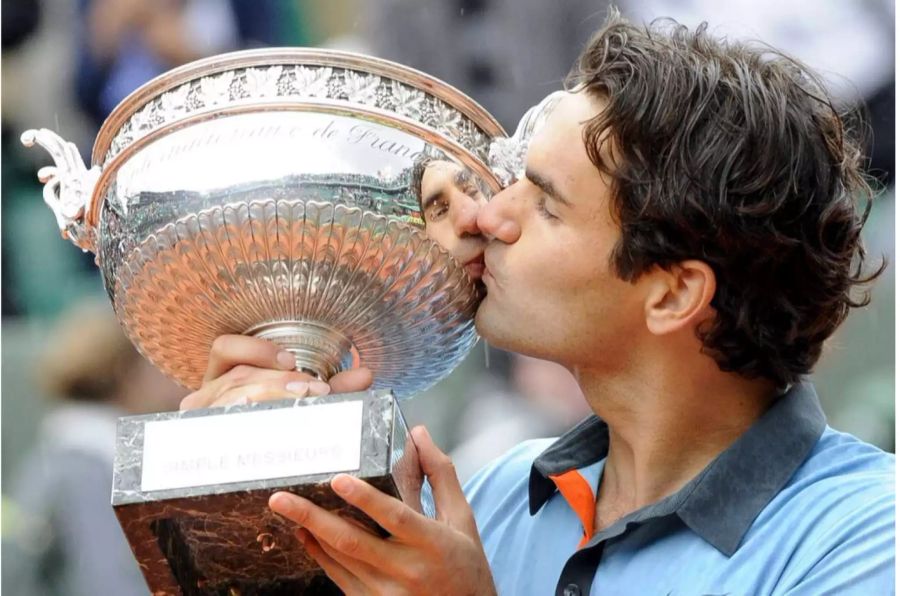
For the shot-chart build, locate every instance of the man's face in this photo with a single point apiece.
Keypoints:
(550, 290)
(450, 204)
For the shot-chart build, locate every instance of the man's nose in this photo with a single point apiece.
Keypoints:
(497, 219)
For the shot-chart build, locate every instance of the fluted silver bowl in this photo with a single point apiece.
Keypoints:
(269, 192)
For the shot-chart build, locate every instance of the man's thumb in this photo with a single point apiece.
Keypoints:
(449, 499)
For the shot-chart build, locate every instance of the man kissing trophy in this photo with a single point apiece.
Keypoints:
(270, 193)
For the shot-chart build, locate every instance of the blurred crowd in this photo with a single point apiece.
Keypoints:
(68, 372)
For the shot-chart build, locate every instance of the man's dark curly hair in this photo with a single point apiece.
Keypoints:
(733, 154)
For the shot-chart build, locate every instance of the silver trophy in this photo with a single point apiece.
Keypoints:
(269, 193)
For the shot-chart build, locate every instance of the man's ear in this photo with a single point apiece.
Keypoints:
(679, 297)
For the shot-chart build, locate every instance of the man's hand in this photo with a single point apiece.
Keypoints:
(246, 369)
(422, 556)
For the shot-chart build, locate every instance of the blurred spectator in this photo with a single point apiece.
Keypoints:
(20, 19)
(61, 534)
(541, 399)
(125, 43)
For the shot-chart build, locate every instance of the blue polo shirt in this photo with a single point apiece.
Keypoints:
(792, 507)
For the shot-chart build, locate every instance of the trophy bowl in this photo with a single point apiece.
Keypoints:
(268, 193)
(273, 193)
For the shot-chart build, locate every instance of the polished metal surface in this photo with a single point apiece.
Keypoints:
(269, 193)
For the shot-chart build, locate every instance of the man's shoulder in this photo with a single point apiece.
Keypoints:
(836, 518)
(844, 487)
(842, 459)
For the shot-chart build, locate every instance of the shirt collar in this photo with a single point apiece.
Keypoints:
(721, 502)
(585, 444)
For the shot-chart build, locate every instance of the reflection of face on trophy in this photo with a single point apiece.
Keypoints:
(451, 197)
(278, 193)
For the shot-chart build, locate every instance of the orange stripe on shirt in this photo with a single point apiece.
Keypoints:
(580, 497)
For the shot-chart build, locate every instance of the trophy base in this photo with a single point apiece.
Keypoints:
(191, 489)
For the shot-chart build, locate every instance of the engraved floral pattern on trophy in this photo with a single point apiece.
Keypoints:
(234, 87)
(373, 280)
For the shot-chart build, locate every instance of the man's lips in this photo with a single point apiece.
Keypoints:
(475, 267)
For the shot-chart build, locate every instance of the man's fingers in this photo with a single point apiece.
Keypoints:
(348, 381)
(391, 514)
(449, 499)
(244, 384)
(344, 537)
(364, 572)
(229, 351)
(333, 569)
(273, 390)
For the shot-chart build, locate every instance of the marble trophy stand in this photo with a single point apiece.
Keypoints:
(220, 537)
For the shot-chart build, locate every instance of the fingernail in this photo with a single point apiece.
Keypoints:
(299, 387)
(342, 484)
(286, 360)
(278, 501)
(319, 388)
(241, 401)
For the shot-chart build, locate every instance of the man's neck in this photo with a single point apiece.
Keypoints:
(665, 428)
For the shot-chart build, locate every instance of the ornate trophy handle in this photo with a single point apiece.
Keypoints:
(507, 154)
(68, 186)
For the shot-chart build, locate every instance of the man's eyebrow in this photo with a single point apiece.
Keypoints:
(545, 185)
(462, 179)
